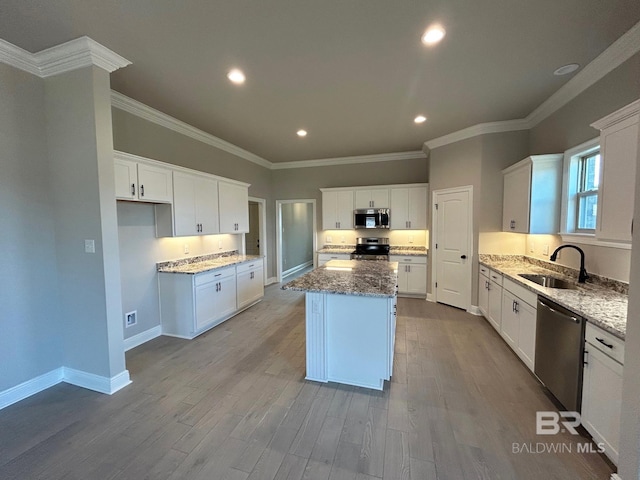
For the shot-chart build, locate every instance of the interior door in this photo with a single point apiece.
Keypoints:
(452, 240)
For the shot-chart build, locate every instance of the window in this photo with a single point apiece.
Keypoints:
(587, 192)
(582, 166)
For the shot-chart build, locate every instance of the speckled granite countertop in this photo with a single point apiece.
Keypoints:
(366, 278)
(394, 250)
(205, 263)
(596, 301)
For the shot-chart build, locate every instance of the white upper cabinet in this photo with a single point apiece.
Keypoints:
(139, 181)
(337, 209)
(372, 198)
(195, 204)
(409, 208)
(619, 150)
(531, 201)
(234, 207)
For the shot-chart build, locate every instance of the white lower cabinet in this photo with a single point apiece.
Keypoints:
(602, 388)
(190, 304)
(325, 257)
(490, 296)
(518, 325)
(249, 283)
(412, 274)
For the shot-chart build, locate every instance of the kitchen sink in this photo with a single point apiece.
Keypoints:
(547, 281)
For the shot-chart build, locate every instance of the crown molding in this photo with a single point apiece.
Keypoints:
(618, 52)
(625, 112)
(325, 162)
(79, 53)
(479, 129)
(139, 109)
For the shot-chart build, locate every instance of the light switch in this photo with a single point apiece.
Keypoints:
(90, 246)
(545, 250)
(186, 248)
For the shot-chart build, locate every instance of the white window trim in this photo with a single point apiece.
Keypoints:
(568, 205)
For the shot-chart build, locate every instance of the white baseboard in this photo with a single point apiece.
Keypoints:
(64, 374)
(96, 383)
(271, 280)
(30, 387)
(430, 297)
(474, 310)
(297, 268)
(142, 337)
(615, 476)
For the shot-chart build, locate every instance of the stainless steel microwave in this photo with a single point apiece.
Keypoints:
(371, 218)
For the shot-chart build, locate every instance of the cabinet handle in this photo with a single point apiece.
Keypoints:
(608, 345)
(133, 189)
(142, 190)
(409, 223)
(585, 358)
(463, 257)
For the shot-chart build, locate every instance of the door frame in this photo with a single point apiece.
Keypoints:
(434, 239)
(314, 234)
(262, 232)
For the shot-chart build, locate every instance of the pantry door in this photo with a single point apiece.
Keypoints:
(452, 246)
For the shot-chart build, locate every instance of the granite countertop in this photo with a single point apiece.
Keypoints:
(596, 301)
(366, 278)
(345, 249)
(408, 251)
(205, 263)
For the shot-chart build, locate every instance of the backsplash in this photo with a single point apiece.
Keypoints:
(604, 282)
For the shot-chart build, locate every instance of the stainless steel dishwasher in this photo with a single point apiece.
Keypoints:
(559, 352)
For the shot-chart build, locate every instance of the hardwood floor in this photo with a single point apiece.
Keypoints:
(233, 404)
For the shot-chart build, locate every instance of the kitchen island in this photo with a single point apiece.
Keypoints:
(350, 321)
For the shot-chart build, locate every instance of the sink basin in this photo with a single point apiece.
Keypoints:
(547, 281)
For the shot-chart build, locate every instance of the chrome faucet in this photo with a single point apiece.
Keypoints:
(583, 275)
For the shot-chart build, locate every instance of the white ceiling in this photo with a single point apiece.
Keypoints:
(351, 72)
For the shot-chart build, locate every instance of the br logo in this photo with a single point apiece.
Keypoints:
(550, 423)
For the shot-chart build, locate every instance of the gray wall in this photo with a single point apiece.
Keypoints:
(77, 107)
(297, 234)
(135, 135)
(30, 344)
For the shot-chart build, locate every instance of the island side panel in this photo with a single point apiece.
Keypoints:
(316, 333)
(357, 332)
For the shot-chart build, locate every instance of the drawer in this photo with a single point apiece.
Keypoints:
(333, 256)
(215, 275)
(604, 341)
(416, 259)
(248, 266)
(484, 271)
(521, 292)
(496, 277)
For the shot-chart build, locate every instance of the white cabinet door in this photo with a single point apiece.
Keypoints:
(417, 208)
(527, 333)
(250, 287)
(495, 305)
(417, 279)
(325, 257)
(602, 399)
(510, 325)
(126, 178)
(154, 184)
(409, 208)
(516, 197)
(618, 148)
(226, 297)
(234, 208)
(206, 308)
(403, 278)
(195, 205)
(372, 198)
(483, 295)
(337, 210)
(207, 205)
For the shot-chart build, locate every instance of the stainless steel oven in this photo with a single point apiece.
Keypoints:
(371, 249)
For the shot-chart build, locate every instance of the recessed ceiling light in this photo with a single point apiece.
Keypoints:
(236, 76)
(433, 35)
(301, 133)
(420, 119)
(572, 67)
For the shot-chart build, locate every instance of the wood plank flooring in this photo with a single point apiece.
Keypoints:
(233, 404)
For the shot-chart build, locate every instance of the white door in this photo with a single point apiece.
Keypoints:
(453, 246)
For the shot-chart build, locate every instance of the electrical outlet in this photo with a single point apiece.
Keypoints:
(410, 238)
(545, 250)
(329, 239)
(532, 247)
(220, 244)
(341, 239)
(131, 318)
(186, 248)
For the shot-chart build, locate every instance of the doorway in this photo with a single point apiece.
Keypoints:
(255, 241)
(296, 236)
(453, 246)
